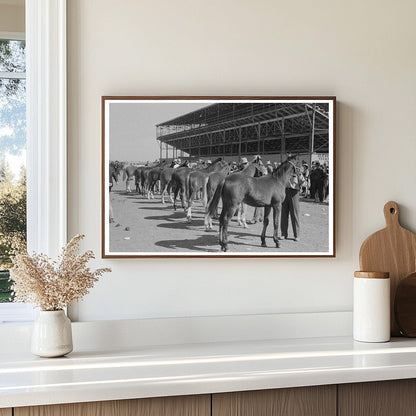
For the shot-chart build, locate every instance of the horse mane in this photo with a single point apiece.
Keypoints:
(184, 164)
(218, 159)
(280, 170)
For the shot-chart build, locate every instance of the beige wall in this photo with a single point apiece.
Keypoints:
(361, 51)
(12, 18)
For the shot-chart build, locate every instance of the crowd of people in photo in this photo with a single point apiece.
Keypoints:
(308, 183)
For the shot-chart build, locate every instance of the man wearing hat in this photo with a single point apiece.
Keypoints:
(290, 206)
(243, 163)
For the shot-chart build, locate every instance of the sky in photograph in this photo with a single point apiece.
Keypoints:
(133, 128)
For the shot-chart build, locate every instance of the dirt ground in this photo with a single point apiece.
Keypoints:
(143, 225)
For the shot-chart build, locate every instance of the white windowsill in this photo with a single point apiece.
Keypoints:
(16, 313)
(169, 370)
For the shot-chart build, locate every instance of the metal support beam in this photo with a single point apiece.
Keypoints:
(258, 137)
(312, 141)
(283, 138)
(239, 142)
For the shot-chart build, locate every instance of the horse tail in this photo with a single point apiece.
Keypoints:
(213, 203)
(205, 192)
(188, 187)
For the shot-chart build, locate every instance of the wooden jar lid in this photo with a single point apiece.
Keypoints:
(372, 275)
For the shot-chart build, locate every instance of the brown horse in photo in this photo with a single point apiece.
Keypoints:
(166, 180)
(153, 176)
(128, 175)
(114, 172)
(197, 183)
(140, 175)
(265, 191)
(180, 183)
(216, 179)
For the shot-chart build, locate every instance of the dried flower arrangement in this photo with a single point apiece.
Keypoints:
(53, 285)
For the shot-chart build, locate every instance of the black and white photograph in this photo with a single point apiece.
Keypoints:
(218, 176)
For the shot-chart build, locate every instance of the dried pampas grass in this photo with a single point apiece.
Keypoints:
(53, 285)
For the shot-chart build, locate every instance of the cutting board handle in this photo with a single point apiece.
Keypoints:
(391, 214)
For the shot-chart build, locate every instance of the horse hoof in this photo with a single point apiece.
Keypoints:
(189, 220)
(263, 244)
(277, 245)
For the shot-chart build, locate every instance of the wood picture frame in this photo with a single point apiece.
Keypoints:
(287, 141)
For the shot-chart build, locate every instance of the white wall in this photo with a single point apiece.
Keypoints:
(361, 51)
(12, 17)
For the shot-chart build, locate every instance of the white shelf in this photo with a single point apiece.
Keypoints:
(151, 371)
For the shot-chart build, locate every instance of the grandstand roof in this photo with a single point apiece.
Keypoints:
(234, 125)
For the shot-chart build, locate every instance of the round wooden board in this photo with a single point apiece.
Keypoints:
(405, 306)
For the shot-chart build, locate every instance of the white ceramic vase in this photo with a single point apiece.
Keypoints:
(52, 334)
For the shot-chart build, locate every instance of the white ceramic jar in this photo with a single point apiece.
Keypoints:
(371, 310)
(52, 334)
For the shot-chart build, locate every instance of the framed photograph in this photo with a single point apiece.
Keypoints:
(218, 176)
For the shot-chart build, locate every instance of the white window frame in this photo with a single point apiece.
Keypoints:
(46, 134)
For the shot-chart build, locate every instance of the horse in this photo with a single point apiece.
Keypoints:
(153, 176)
(255, 169)
(216, 179)
(180, 183)
(142, 177)
(264, 191)
(166, 179)
(128, 175)
(139, 179)
(197, 182)
(114, 172)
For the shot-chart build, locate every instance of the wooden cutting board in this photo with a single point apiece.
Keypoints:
(405, 305)
(393, 250)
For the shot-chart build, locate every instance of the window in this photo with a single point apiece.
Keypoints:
(12, 155)
(46, 134)
(12, 165)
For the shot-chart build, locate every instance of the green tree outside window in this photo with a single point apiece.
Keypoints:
(12, 154)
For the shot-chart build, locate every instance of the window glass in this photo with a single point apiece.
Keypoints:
(12, 56)
(12, 156)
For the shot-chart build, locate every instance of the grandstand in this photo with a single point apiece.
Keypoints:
(234, 129)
